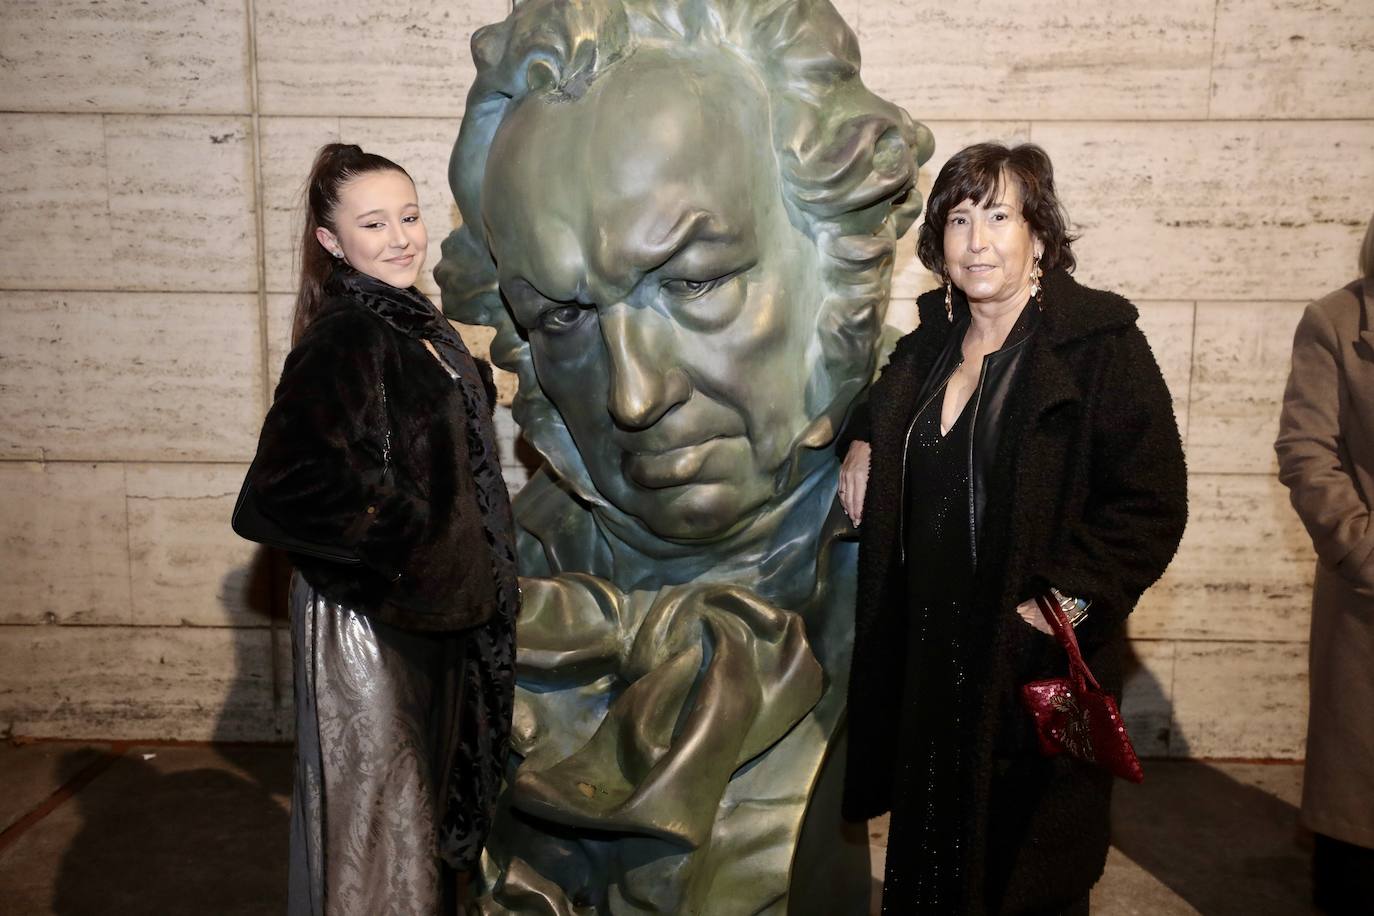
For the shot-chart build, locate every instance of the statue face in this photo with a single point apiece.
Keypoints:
(642, 241)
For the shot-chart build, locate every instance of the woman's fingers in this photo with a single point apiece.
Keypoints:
(1030, 613)
(854, 480)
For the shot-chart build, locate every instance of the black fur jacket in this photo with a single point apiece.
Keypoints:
(1088, 493)
(367, 446)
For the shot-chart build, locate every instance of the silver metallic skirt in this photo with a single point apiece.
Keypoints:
(376, 734)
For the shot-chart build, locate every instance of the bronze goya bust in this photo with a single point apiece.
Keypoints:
(680, 217)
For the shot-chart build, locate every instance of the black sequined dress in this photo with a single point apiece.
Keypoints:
(927, 823)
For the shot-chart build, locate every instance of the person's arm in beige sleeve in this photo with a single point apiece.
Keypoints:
(1311, 463)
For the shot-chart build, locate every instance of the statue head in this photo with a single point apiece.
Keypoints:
(680, 218)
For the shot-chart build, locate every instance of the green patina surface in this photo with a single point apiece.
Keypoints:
(679, 218)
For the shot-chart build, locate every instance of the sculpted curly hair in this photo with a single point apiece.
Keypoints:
(848, 159)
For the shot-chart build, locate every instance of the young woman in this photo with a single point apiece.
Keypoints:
(379, 445)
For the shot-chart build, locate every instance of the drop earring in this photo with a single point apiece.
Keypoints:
(949, 301)
(1035, 276)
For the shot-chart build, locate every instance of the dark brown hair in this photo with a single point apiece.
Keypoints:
(976, 173)
(335, 165)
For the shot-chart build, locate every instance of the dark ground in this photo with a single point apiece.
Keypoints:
(93, 828)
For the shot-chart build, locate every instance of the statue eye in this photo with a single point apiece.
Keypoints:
(560, 318)
(690, 289)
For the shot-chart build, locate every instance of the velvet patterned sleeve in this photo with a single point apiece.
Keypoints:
(319, 469)
(488, 382)
(1138, 499)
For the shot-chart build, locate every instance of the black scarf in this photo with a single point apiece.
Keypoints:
(489, 664)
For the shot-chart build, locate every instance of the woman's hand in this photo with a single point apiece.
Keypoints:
(1029, 611)
(854, 480)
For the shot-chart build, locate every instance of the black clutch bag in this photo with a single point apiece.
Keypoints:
(251, 524)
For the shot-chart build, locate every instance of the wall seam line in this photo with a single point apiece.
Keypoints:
(260, 210)
(1212, 58)
(259, 202)
(128, 542)
(109, 208)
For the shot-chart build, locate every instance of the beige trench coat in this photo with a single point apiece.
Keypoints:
(1326, 459)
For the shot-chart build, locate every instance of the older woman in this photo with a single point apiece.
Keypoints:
(1326, 459)
(1020, 439)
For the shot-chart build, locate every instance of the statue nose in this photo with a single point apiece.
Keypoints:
(646, 380)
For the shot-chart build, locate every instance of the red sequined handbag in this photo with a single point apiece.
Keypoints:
(1073, 715)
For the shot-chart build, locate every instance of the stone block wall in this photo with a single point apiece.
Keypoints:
(1217, 157)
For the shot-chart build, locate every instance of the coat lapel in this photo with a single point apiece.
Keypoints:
(1051, 382)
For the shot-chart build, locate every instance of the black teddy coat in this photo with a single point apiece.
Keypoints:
(1089, 494)
(366, 447)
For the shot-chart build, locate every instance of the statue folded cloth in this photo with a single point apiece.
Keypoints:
(670, 737)
(715, 677)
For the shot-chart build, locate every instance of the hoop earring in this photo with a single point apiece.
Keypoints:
(949, 301)
(1035, 276)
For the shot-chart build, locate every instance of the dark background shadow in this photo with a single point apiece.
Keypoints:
(1223, 845)
(194, 829)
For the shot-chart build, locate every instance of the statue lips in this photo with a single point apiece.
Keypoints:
(670, 468)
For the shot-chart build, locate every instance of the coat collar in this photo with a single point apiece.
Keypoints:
(1074, 312)
(406, 310)
(1069, 312)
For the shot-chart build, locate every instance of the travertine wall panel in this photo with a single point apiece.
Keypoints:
(125, 56)
(1168, 326)
(65, 544)
(1244, 352)
(181, 203)
(1243, 571)
(1004, 58)
(186, 565)
(281, 309)
(1237, 699)
(287, 147)
(56, 230)
(1293, 59)
(1243, 211)
(368, 58)
(131, 376)
(194, 683)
